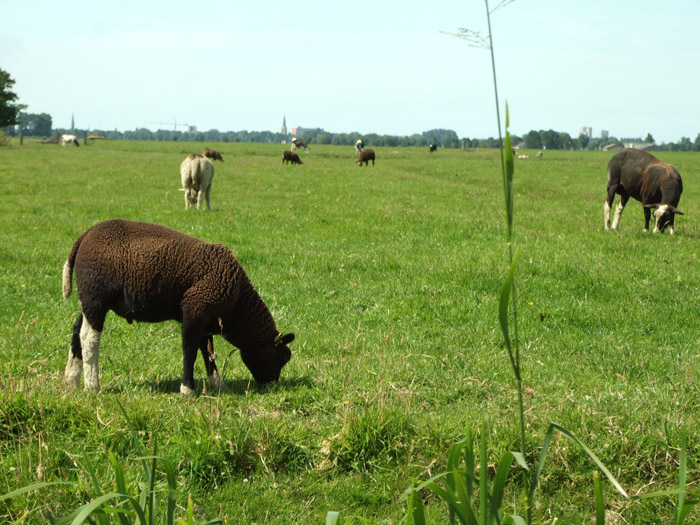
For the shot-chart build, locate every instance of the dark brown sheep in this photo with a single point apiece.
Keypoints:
(290, 156)
(213, 154)
(150, 273)
(657, 185)
(366, 156)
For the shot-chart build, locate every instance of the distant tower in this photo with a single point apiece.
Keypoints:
(284, 125)
(72, 122)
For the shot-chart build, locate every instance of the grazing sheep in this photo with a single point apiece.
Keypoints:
(197, 173)
(359, 146)
(432, 147)
(539, 154)
(299, 143)
(636, 173)
(213, 154)
(290, 156)
(149, 273)
(65, 139)
(366, 156)
(523, 156)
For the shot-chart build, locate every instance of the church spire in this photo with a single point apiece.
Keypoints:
(284, 125)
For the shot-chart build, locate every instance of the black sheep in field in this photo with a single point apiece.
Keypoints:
(365, 156)
(290, 156)
(150, 273)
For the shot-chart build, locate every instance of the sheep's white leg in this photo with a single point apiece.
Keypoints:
(206, 196)
(606, 215)
(90, 341)
(187, 390)
(200, 197)
(618, 215)
(74, 368)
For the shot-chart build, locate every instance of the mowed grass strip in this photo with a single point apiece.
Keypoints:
(389, 276)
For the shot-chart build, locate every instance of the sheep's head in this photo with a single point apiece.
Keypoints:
(663, 215)
(266, 363)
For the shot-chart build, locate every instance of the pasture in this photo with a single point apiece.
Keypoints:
(389, 276)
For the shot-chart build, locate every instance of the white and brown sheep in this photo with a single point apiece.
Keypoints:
(197, 174)
(149, 273)
(290, 156)
(213, 154)
(68, 139)
(299, 143)
(365, 156)
(657, 185)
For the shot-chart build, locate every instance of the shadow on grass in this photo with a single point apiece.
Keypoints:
(237, 387)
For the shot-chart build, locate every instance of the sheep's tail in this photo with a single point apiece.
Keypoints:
(68, 268)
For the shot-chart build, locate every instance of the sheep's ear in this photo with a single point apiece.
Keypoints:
(677, 211)
(284, 339)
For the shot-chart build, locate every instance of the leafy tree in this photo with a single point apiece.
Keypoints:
(35, 125)
(649, 138)
(583, 140)
(9, 110)
(532, 140)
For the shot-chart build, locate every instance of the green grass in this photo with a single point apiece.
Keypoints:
(389, 276)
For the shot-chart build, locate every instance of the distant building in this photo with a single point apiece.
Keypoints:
(284, 125)
(294, 131)
(587, 131)
(191, 129)
(604, 134)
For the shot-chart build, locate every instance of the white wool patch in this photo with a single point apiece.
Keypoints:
(606, 215)
(90, 341)
(74, 368)
(67, 280)
(658, 213)
(618, 215)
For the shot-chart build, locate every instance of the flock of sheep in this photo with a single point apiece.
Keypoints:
(149, 273)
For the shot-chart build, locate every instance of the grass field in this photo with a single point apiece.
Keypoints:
(389, 276)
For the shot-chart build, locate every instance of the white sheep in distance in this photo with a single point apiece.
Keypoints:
(197, 173)
(149, 273)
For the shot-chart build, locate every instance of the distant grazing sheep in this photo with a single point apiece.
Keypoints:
(657, 185)
(290, 156)
(197, 174)
(432, 148)
(299, 143)
(523, 156)
(366, 156)
(359, 146)
(149, 273)
(65, 139)
(539, 154)
(213, 154)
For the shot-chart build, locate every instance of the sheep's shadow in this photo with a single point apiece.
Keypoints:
(234, 387)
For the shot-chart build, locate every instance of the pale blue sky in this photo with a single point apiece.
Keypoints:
(630, 67)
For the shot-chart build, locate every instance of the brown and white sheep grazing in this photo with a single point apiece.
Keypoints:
(290, 156)
(150, 273)
(299, 143)
(213, 154)
(68, 139)
(366, 156)
(197, 174)
(657, 185)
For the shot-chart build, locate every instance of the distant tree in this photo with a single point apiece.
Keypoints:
(550, 139)
(35, 125)
(532, 140)
(696, 144)
(649, 138)
(583, 140)
(9, 110)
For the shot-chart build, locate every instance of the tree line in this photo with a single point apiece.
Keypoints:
(15, 121)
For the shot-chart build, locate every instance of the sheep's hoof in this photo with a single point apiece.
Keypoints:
(184, 389)
(216, 383)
